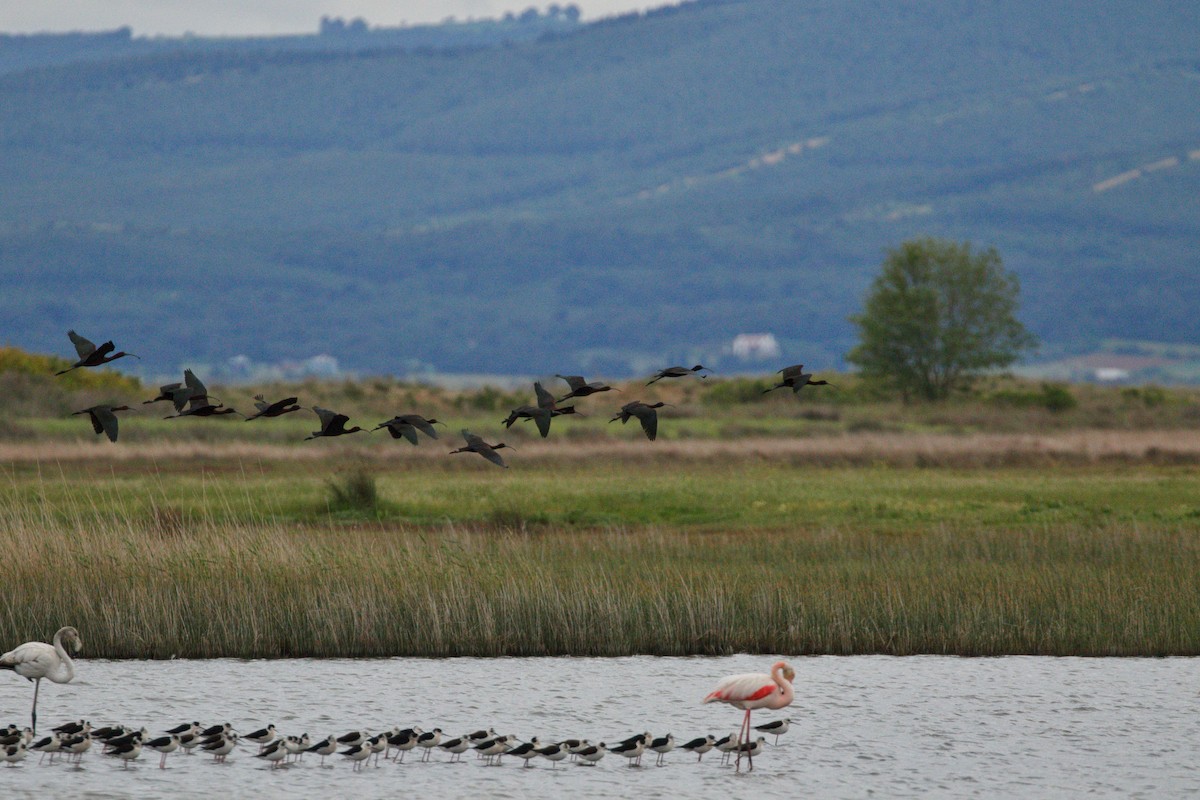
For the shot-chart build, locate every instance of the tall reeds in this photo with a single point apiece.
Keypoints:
(165, 584)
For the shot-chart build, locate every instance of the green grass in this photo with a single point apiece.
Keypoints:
(605, 558)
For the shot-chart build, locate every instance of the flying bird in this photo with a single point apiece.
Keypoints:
(476, 444)
(166, 392)
(332, 424)
(677, 372)
(581, 388)
(277, 409)
(90, 355)
(647, 414)
(754, 690)
(104, 419)
(795, 378)
(194, 395)
(406, 426)
(37, 660)
(545, 410)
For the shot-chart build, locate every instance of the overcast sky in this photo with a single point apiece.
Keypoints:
(248, 17)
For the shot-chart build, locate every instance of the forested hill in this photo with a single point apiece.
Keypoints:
(636, 191)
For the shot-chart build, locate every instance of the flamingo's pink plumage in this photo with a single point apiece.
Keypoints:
(753, 690)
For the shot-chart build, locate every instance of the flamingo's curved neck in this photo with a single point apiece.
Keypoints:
(65, 672)
(785, 686)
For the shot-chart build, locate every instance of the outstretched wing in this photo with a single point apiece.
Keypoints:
(95, 420)
(472, 439)
(543, 423)
(107, 420)
(490, 454)
(327, 417)
(421, 424)
(405, 430)
(82, 346)
(576, 382)
(649, 418)
(544, 398)
(794, 371)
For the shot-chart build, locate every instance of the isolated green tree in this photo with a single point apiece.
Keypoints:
(936, 316)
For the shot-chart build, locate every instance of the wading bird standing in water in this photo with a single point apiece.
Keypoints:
(754, 690)
(37, 660)
(90, 355)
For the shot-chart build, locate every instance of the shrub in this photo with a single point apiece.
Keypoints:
(355, 491)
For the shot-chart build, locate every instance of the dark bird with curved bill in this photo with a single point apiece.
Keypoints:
(543, 413)
(193, 400)
(104, 419)
(647, 414)
(795, 378)
(677, 372)
(90, 355)
(476, 444)
(332, 424)
(166, 392)
(581, 388)
(406, 426)
(277, 409)
(545, 410)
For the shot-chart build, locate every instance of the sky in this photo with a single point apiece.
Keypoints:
(259, 17)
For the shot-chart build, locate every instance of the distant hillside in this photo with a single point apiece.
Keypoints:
(632, 193)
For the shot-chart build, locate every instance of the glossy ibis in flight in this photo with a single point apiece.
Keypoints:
(647, 414)
(677, 372)
(194, 395)
(795, 378)
(90, 355)
(581, 388)
(542, 413)
(276, 409)
(332, 424)
(476, 444)
(104, 419)
(406, 426)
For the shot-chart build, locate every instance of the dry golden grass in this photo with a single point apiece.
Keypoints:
(895, 449)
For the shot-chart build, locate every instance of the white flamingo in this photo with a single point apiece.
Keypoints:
(754, 690)
(37, 660)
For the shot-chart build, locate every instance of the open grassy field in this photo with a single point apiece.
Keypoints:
(1063, 544)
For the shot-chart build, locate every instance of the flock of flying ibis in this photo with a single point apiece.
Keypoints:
(190, 398)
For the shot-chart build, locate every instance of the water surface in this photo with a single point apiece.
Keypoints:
(871, 725)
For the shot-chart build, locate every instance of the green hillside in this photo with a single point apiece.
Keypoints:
(638, 191)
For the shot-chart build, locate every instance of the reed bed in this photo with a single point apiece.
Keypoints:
(859, 561)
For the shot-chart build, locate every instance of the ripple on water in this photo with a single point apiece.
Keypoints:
(917, 726)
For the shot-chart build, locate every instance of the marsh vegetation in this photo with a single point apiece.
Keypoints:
(232, 556)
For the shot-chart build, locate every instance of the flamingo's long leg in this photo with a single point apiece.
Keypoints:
(37, 685)
(745, 728)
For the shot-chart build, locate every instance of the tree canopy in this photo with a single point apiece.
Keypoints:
(936, 316)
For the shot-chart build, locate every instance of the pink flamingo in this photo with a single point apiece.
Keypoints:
(755, 690)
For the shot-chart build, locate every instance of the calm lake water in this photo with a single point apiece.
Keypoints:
(862, 726)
